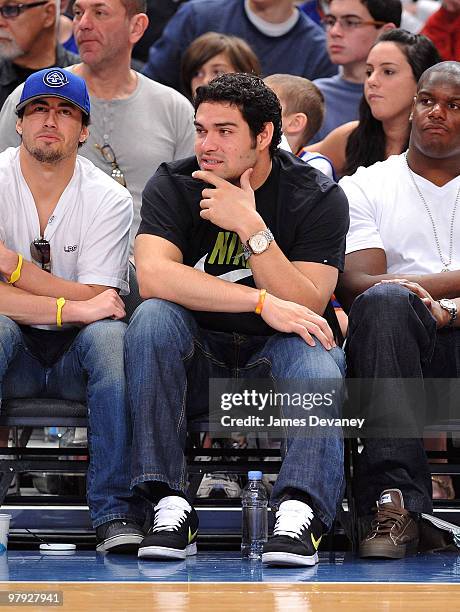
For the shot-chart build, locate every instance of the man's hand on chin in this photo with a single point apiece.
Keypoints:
(228, 206)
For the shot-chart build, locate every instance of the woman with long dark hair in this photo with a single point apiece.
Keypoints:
(394, 65)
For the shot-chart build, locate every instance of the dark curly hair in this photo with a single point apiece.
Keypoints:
(257, 102)
(367, 143)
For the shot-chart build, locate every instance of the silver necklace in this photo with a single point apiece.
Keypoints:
(445, 264)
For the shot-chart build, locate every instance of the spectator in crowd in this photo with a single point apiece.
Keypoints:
(283, 38)
(65, 27)
(416, 12)
(63, 257)
(401, 275)
(281, 233)
(352, 27)
(443, 28)
(207, 57)
(302, 112)
(311, 9)
(213, 54)
(135, 123)
(28, 42)
(394, 65)
(159, 13)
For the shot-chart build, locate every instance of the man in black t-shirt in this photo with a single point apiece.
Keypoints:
(239, 250)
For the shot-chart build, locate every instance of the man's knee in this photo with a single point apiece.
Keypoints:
(9, 330)
(381, 298)
(160, 321)
(381, 307)
(309, 362)
(104, 338)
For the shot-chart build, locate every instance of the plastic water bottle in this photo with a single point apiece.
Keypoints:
(254, 502)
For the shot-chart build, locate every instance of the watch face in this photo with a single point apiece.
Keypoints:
(450, 306)
(258, 243)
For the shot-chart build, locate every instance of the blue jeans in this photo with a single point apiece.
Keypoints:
(90, 370)
(393, 335)
(169, 360)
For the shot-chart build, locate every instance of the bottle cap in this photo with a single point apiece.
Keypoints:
(255, 475)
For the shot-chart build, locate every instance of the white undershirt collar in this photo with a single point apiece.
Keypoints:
(271, 29)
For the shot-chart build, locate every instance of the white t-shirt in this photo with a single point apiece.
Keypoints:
(387, 213)
(320, 162)
(88, 231)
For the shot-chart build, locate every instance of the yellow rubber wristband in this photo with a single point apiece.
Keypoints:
(260, 303)
(17, 273)
(60, 305)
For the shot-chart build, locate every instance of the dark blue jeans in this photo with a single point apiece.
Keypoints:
(169, 361)
(91, 370)
(393, 335)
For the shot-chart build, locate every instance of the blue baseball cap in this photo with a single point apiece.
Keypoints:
(56, 83)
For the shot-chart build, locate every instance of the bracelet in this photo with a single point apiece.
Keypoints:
(60, 302)
(17, 273)
(260, 303)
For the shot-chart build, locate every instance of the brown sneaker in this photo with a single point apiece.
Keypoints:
(394, 534)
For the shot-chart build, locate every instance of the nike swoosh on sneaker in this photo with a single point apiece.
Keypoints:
(317, 542)
(193, 535)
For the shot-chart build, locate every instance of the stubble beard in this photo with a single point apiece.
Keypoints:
(45, 156)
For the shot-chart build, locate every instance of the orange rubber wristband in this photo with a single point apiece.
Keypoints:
(260, 303)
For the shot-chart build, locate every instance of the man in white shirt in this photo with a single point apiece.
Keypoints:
(402, 276)
(63, 257)
(136, 123)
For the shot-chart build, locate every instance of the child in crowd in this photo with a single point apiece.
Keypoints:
(302, 106)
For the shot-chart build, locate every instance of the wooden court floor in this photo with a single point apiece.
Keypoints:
(244, 597)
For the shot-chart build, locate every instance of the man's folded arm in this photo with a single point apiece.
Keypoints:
(366, 267)
(28, 309)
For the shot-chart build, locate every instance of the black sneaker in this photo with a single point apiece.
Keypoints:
(119, 536)
(296, 536)
(174, 530)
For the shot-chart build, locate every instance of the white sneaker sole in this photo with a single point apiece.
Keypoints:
(120, 541)
(162, 552)
(289, 559)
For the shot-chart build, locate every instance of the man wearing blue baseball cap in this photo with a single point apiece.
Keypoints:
(136, 124)
(63, 258)
(56, 83)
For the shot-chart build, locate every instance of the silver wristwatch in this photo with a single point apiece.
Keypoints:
(451, 308)
(257, 243)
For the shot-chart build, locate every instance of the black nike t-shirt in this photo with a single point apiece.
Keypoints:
(306, 212)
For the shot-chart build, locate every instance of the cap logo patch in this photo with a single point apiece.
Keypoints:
(55, 78)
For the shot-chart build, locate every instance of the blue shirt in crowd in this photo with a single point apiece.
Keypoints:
(301, 51)
(342, 99)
